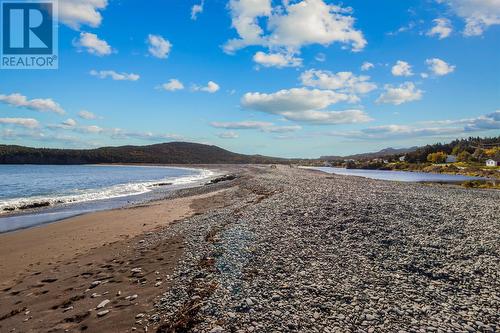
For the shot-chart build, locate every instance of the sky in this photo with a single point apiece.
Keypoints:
(301, 78)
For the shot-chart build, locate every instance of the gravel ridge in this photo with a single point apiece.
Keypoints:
(301, 251)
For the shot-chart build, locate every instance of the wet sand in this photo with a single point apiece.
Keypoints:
(47, 273)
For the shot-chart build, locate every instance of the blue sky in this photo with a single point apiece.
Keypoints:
(283, 78)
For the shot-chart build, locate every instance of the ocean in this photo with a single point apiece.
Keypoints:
(35, 194)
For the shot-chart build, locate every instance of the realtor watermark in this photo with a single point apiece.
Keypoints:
(28, 34)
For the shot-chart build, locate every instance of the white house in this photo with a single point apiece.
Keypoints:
(451, 159)
(491, 163)
(402, 158)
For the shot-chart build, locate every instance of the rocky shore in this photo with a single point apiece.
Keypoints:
(292, 250)
(307, 252)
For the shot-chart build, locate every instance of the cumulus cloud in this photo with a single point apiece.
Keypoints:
(23, 122)
(37, 104)
(211, 87)
(228, 135)
(367, 66)
(304, 105)
(159, 47)
(439, 67)
(172, 85)
(257, 125)
(401, 68)
(292, 25)
(115, 76)
(404, 93)
(196, 10)
(344, 82)
(75, 13)
(442, 28)
(479, 15)
(92, 44)
(278, 60)
(84, 114)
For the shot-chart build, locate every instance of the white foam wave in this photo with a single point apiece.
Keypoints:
(116, 191)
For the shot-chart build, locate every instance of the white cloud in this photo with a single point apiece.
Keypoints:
(404, 93)
(295, 99)
(328, 117)
(367, 66)
(344, 82)
(258, 125)
(478, 14)
(442, 28)
(196, 10)
(321, 57)
(304, 105)
(279, 60)
(92, 129)
(118, 133)
(228, 135)
(488, 121)
(211, 87)
(485, 122)
(172, 85)
(24, 122)
(115, 76)
(439, 67)
(241, 124)
(159, 47)
(86, 115)
(75, 13)
(401, 68)
(92, 44)
(69, 122)
(37, 104)
(292, 25)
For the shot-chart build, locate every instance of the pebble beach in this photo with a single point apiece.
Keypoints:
(293, 250)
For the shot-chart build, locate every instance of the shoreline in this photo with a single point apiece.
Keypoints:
(276, 249)
(44, 211)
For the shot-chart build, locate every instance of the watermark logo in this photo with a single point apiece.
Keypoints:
(29, 35)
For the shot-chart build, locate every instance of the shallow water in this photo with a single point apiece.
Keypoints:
(401, 176)
(62, 191)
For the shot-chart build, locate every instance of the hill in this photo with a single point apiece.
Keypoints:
(363, 156)
(163, 153)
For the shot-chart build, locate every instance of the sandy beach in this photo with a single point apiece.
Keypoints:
(44, 269)
(276, 249)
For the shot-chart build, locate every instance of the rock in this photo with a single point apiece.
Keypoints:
(69, 308)
(95, 284)
(139, 315)
(136, 270)
(103, 304)
(102, 313)
(131, 297)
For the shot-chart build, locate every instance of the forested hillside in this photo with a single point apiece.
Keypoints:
(165, 153)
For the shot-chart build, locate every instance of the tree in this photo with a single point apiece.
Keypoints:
(464, 156)
(439, 157)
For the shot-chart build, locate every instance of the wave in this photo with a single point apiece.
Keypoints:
(115, 191)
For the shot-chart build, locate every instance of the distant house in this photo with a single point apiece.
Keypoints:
(492, 163)
(402, 158)
(451, 158)
(327, 164)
